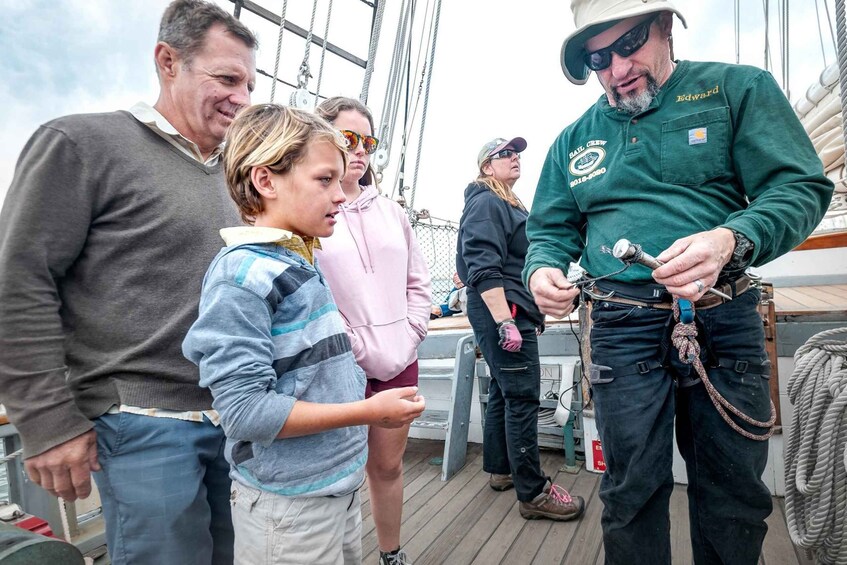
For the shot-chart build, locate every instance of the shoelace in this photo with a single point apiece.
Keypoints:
(560, 495)
(398, 558)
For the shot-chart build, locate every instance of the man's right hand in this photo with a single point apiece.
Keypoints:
(553, 293)
(65, 470)
(396, 407)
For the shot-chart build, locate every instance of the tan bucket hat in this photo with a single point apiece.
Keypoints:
(596, 16)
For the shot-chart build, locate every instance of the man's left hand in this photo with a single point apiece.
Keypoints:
(692, 264)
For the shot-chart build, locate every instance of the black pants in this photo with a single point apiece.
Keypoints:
(728, 502)
(510, 437)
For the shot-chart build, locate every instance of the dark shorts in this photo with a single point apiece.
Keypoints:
(407, 377)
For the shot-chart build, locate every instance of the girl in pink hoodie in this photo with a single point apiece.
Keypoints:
(380, 281)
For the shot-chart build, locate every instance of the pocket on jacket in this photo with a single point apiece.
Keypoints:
(695, 148)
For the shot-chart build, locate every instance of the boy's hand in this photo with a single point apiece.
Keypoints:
(397, 407)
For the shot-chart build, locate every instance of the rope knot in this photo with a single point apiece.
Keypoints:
(684, 338)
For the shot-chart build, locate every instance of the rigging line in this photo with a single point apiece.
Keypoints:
(390, 85)
(323, 50)
(426, 101)
(782, 54)
(786, 60)
(403, 54)
(278, 48)
(737, 12)
(820, 32)
(841, 29)
(376, 29)
(831, 30)
(407, 131)
(305, 73)
(285, 82)
(765, 5)
(401, 72)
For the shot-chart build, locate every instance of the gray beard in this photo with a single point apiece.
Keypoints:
(637, 103)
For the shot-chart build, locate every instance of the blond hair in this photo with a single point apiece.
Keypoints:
(329, 110)
(272, 136)
(500, 188)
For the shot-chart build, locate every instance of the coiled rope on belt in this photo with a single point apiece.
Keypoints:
(816, 452)
(684, 338)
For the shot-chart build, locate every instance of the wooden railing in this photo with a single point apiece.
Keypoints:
(824, 241)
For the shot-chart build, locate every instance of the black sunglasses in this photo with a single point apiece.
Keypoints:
(352, 138)
(504, 154)
(626, 45)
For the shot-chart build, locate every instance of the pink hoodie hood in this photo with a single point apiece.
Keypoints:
(380, 282)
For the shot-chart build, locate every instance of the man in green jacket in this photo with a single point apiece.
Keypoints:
(706, 167)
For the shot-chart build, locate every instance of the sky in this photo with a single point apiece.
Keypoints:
(496, 71)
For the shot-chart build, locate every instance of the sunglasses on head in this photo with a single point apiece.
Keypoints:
(626, 45)
(504, 154)
(369, 142)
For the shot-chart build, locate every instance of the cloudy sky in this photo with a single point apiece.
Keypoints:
(496, 71)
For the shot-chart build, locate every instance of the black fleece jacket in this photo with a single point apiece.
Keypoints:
(491, 247)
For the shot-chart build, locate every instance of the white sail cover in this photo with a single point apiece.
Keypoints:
(820, 113)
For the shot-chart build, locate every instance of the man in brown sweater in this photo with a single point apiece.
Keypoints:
(108, 227)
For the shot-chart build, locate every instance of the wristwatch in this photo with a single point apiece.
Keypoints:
(743, 252)
(740, 259)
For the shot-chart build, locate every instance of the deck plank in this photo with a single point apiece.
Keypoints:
(680, 527)
(562, 533)
(463, 521)
(425, 501)
(585, 545)
(483, 525)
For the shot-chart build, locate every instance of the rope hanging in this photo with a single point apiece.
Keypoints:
(278, 47)
(377, 27)
(426, 105)
(684, 338)
(305, 73)
(816, 452)
(323, 53)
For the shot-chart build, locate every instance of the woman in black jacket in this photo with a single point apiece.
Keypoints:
(491, 250)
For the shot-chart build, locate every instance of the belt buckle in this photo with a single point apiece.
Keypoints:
(643, 367)
(741, 366)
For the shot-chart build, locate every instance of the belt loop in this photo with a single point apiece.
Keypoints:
(732, 287)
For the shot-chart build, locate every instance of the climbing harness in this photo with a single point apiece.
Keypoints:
(816, 451)
(684, 338)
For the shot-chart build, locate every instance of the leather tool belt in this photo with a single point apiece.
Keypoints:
(657, 296)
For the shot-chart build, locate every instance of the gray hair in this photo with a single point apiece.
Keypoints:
(186, 22)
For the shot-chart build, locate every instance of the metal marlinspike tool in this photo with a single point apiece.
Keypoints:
(629, 252)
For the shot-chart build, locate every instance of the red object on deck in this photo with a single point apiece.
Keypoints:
(597, 450)
(35, 524)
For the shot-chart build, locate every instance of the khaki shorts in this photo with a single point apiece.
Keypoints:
(270, 528)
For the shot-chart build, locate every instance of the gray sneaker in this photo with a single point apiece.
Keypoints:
(500, 482)
(392, 558)
(554, 503)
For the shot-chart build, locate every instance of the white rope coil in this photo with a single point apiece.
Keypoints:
(816, 452)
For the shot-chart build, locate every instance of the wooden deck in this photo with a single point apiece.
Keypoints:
(806, 300)
(463, 521)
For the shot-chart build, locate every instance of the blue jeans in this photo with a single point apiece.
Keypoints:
(510, 437)
(728, 502)
(165, 490)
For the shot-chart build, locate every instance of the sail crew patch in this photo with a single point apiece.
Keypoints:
(585, 160)
(697, 136)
